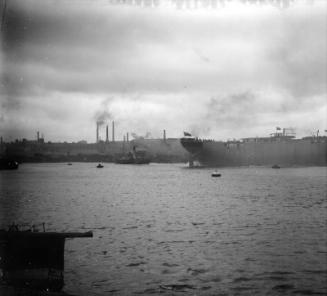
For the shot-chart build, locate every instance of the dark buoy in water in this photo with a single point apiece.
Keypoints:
(99, 166)
(275, 166)
(215, 174)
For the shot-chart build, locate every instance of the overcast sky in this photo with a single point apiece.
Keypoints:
(219, 72)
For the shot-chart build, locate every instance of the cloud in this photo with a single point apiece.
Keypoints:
(157, 68)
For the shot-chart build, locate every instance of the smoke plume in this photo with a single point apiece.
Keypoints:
(102, 117)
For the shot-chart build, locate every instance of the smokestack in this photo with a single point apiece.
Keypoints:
(38, 136)
(164, 135)
(113, 131)
(127, 137)
(97, 133)
(107, 134)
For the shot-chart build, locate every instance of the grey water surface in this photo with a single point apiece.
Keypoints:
(166, 229)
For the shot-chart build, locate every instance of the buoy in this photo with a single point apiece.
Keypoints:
(215, 174)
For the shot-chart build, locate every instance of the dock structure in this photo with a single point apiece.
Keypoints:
(34, 260)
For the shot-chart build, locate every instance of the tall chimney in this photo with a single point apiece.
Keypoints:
(127, 137)
(113, 131)
(97, 134)
(107, 134)
(38, 136)
(164, 135)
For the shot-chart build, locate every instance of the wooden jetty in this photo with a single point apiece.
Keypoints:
(34, 260)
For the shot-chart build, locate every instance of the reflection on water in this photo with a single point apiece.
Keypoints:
(167, 229)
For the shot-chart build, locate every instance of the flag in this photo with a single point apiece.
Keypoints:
(186, 134)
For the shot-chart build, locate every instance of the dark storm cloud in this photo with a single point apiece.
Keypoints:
(51, 48)
(62, 48)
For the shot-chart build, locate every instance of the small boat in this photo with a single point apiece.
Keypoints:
(136, 156)
(69, 163)
(125, 159)
(275, 166)
(99, 166)
(215, 174)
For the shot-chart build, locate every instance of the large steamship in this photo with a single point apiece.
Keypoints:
(281, 148)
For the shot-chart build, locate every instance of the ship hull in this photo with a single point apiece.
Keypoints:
(285, 153)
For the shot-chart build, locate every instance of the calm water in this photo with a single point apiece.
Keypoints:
(171, 230)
